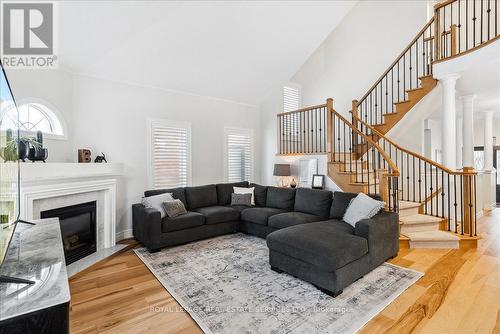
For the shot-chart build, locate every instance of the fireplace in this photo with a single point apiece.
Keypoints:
(78, 229)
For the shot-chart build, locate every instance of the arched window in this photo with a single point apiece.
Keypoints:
(33, 117)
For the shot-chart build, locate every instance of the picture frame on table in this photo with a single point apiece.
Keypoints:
(318, 181)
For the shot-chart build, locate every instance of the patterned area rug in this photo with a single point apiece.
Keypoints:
(227, 286)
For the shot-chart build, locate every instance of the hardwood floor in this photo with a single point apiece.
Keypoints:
(460, 293)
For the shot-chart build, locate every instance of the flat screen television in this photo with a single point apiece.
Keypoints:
(9, 172)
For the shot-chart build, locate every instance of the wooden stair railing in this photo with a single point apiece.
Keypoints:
(457, 27)
(322, 130)
(463, 26)
(403, 84)
(443, 192)
(377, 174)
(303, 131)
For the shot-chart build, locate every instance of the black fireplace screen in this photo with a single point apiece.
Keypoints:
(78, 229)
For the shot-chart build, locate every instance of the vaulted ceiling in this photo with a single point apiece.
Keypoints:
(236, 50)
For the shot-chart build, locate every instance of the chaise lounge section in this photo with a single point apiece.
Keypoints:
(303, 228)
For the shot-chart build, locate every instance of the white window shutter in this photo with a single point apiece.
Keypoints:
(291, 99)
(291, 102)
(170, 154)
(239, 158)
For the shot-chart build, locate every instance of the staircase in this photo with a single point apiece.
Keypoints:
(413, 96)
(424, 231)
(436, 205)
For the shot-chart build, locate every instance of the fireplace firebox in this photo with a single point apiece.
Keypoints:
(78, 229)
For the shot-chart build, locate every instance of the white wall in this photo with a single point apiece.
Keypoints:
(55, 88)
(112, 118)
(346, 64)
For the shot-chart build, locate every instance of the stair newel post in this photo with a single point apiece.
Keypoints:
(437, 34)
(384, 187)
(355, 116)
(453, 30)
(329, 129)
(468, 201)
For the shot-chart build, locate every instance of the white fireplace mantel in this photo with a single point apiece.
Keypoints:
(49, 181)
(35, 173)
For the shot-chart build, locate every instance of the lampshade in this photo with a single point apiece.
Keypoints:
(281, 170)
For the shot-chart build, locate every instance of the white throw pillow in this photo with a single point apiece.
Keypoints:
(156, 202)
(239, 190)
(362, 207)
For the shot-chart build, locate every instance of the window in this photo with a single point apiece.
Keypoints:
(33, 117)
(170, 154)
(291, 102)
(291, 98)
(239, 155)
(478, 159)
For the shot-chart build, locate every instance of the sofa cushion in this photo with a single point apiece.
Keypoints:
(286, 219)
(156, 202)
(259, 215)
(239, 208)
(241, 199)
(202, 196)
(313, 201)
(362, 207)
(177, 193)
(260, 194)
(224, 191)
(174, 208)
(218, 214)
(188, 220)
(280, 198)
(341, 226)
(321, 244)
(340, 203)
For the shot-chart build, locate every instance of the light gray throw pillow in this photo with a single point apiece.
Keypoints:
(156, 202)
(241, 199)
(362, 207)
(174, 208)
(241, 190)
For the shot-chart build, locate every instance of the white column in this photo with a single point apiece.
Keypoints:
(459, 141)
(488, 140)
(449, 144)
(427, 140)
(468, 130)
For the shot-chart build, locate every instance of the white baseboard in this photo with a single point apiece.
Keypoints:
(126, 234)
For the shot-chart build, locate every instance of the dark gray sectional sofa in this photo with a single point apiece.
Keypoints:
(303, 228)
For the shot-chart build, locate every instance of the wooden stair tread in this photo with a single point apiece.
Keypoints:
(401, 102)
(431, 236)
(414, 89)
(426, 76)
(391, 114)
(354, 172)
(420, 219)
(408, 205)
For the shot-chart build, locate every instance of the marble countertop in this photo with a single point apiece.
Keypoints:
(35, 253)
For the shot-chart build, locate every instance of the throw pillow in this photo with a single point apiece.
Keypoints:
(156, 202)
(241, 199)
(239, 190)
(174, 208)
(362, 207)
